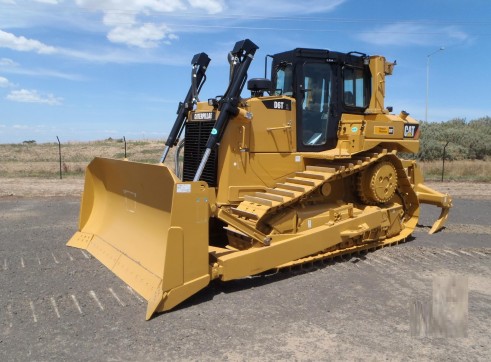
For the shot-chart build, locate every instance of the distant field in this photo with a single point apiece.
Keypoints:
(464, 170)
(42, 160)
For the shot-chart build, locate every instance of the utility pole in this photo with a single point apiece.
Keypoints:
(428, 78)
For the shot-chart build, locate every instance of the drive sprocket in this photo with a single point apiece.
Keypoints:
(378, 183)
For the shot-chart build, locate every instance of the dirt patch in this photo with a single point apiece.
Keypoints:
(463, 190)
(39, 187)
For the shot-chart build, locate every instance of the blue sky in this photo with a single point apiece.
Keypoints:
(93, 69)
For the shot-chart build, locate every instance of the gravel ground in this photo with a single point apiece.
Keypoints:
(59, 303)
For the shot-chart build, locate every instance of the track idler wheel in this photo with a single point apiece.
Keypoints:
(378, 183)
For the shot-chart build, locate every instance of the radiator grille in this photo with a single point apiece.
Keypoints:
(196, 135)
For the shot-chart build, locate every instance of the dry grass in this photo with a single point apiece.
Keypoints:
(42, 161)
(465, 170)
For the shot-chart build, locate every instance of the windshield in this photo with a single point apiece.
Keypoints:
(316, 101)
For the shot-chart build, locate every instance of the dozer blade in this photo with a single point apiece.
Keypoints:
(146, 226)
(427, 195)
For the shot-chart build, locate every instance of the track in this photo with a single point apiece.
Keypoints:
(61, 303)
(254, 209)
(251, 215)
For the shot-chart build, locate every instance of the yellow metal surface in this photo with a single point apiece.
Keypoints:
(272, 130)
(427, 195)
(379, 71)
(129, 221)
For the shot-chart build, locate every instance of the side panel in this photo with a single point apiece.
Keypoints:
(273, 124)
(358, 133)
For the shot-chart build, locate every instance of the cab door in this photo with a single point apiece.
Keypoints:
(317, 122)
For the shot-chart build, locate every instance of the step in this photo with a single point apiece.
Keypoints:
(315, 176)
(258, 200)
(268, 196)
(291, 187)
(281, 192)
(321, 169)
(301, 181)
(346, 165)
(246, 214)
(362, 159)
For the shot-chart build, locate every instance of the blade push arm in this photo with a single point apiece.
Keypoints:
(242, 56)
(200, 63)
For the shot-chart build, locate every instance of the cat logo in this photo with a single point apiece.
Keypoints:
(203, 116)
(410, 130)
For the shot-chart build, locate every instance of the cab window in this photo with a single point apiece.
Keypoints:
(355, 88)
(284, 81)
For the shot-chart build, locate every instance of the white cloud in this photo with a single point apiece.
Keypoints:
(32, 96)
(8, 40)
(146, 36)
(123, 56)
(119, 19)
(130, 24)
(44, 73)
(8, 63)
(23, 44)
(139, 23)
(211, 6)
(4, 82)
(9, 66)
(126, 27)
(49, 2)
(19, 126)
(104, 55)
(405, 34)
(275, 8)
(132, 5)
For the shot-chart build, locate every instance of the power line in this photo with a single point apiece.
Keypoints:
(114, 11)
(317, 30)
(240, 18)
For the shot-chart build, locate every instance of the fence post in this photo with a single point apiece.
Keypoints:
(59, 152)
(443, 158)
(124, 139)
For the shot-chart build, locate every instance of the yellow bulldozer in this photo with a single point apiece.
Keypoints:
(306, 168)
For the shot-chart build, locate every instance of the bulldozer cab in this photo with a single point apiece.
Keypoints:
(325, 85)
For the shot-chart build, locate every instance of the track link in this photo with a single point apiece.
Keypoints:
(346, 251)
